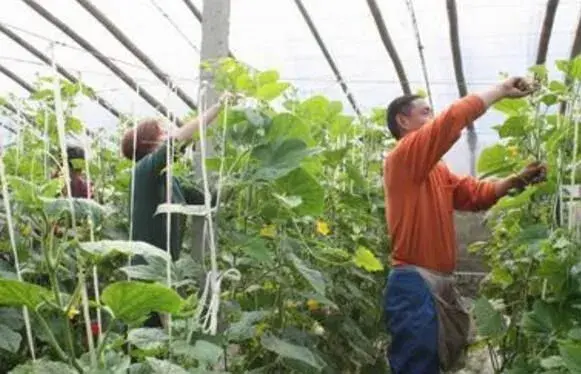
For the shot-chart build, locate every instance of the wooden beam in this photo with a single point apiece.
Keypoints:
(460, 79)
(546, 31)
(327, 55)
(62, 71)
(389, 46)
(141, 56)
(142, 92)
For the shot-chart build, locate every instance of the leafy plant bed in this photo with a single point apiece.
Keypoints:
(530, 310)
(301, 217)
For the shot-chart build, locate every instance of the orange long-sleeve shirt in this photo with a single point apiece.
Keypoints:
(421, 193)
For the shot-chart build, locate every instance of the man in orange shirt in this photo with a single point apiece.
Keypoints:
(423, 310)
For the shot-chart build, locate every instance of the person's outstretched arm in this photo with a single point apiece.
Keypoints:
(422, 149)
(185, 134)
(471, 194)
(180, 137)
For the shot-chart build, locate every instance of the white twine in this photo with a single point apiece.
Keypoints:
(168, 199)
(7, 207)
(66, 175)
(209, 319)
(87, 151)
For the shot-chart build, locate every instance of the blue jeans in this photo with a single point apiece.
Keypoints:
(412, 321)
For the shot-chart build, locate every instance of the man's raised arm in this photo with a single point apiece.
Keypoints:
(422, 149)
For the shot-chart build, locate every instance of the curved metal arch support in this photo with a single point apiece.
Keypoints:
(460, 79)
(389, 46)
(576, 46)
(127, 43)
(546, 31)
(22, 83)
(143, 93)
(327, 55)
(16, 78)
(62, 71)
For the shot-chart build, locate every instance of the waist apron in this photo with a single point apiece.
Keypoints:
(429, 325)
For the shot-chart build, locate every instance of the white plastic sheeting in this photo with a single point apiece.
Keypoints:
(496, 36)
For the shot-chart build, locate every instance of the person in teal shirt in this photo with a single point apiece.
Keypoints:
(150, 180)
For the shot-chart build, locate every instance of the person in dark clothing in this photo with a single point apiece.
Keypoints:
(79, 186)
(150, 154)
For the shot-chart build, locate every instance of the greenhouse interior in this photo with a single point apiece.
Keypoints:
(209, 186)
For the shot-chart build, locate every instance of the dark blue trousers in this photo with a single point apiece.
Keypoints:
(412, 321)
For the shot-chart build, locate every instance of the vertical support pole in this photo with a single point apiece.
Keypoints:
(215, 34)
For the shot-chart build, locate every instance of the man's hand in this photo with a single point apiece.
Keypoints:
(514, 87)
(533, 173)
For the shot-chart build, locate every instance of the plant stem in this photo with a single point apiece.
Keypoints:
(55, 345)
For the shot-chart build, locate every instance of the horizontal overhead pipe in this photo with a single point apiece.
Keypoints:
(142, 92)
(141, 56)
(62, 71)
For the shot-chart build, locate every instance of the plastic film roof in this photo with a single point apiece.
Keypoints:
(495, 36)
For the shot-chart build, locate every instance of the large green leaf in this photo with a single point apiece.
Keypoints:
(133, 301)
(164, 367)
(365, 259)
(104, 248)
(43, 366)
(206, 352)
(280, 158)
(291, 351)
(314, 277)
(255, 247)
(268, 76)
(514, 126)
(511, 107)
(9, 339)
(488, 321)
(271, 91)
(12, 317)
(302, 184)
(16, 293)
(542, 320)
(287, 125)
(571, 354)
(494, 160)
(83, 208)
(245, 328)
(147, 338)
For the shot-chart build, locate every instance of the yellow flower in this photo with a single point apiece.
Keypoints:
(323, 228)
(513, 151)
(312, 305)
(268, 231)
(72, 312)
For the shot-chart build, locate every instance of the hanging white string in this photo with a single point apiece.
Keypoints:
(61, 130)
(7, 207)
(168, 199)
(87, 152)
(46, 140)
(209, 320)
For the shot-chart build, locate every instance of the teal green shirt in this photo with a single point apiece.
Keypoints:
(149, 192)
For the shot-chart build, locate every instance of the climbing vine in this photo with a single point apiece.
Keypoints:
(530, 316)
